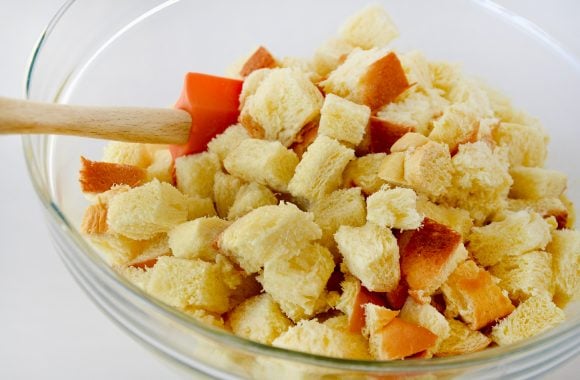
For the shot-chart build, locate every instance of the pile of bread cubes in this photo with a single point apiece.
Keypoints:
(368, 205)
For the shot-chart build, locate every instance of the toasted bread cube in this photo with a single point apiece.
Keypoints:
(136, 276)
(352, 303)
(544, 206)
(392, 169)
(284, 101)
(565, 250)
(320, 170)
(98, 177)
(369, 28)
(532, 317)
(261, 58)
(428, 317)
(194, 239)
(198, 207)
(472, 292)
(527, 144)
(95, 219)
(428, 169)
(296, 282)
(363, 172)
(184, 283)
(319, 339)
(376, 318)
(249, 197)
(343, 120)
(228, 140)
(259, 318)
(266, 232)
(330, 55)
(125, 153)
(370, 77)
(408, 141)
(371, 254)
(459, 124)
(194, 174)
(145, 211)
(383, 134)
(161, 166)
(117, 249)
(525, 275)
(265, 162)
(536, 183)
(225, 189)
(461, 340)
(394, 208)
(519, 232)
(455, 218)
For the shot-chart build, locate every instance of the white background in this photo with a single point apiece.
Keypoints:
(48, 327)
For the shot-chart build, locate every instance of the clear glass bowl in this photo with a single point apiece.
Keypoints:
(135, 52)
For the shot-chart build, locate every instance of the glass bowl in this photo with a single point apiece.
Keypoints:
(135, 52)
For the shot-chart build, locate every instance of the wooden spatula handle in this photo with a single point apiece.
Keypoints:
(146, 125)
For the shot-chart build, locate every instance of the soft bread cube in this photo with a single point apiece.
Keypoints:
(370, 27)
(258, 318)
(228, 140)
(127, 154)
(363, 172)
(417, 70)
(297, 282)
(459, 124)
(198, 207)
(532, 317)
(428, 169)
(320, 170)
(225, 189)
(392, 169)
(151, 251)
(194, 239)
(145, 211)
(204, 316)
(428, 317)
(136, 276)
(394, 208)
(303, 65)
(383, 134)
(352, 301)
(525, 275)
(284, 101)
(267, 232)
(261, 58)
(544, 206)
(99, 177)
(343, 120)
(266, 162)
(371, 254)
(182, 283)
(249, 197)
(95, 219)
(527, 144)
(117, 249)
(462, 340)
(536, 183)
(469, 91)
(249, 87)
(408, 141)
(341, 323)
(519, 232)
(454, 218)
(565, 250)
(305, 137)
(376, 318)
(472, 293)
(247, 288)
(161, 166)
(194, 173)
(330, 55)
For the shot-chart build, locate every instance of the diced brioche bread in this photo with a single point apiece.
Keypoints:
(147, 210)
(117, 249)
(352, 302)
(266, 232)
(408, 141)
(125, 153)
(429, 255)
(330, 55)
(194, 174)
(261, 58)
(106, 196)
(462, 340)
(383, 134)
(544, 206)
(458, 125)
(161, 166)
(565, 250)
(527, 144)
(301, 64)
(377, 317)
(394, 208)
(304, 138)
(283, 102)
(195, 239)
(266, 162)
(417, 70)
(249, 197)
(297, 282)
(225, 189)
(343, 120)
(468, 91)
(228, 140)
(248, 287)
(198, 207)
(445, 75)
(151, 251)
(455, 218)
(535, 183)
(136, 276)
(320, 170)
(258, 318)
(371, 254)
(392, 169)
(98, 177)
(368, 28)
(472, 293)
(428, 169)
(531, 317)
(519, 232)
(428, 317)
(363, 172)
(95, 219)
(204, 316)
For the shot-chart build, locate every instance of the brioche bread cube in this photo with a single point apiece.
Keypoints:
(261, 58)
(297, 282)
(98, 177)
(266, 162)
(352, 301)
(225, 189)
(330, 55)
(429, 255)
(194, 239)
(249, 197)
(125, 153)
(536, 183)
(428, 169)
(417, 70)
(394, 208)
(303, 65)
(409, 140)
(455, 218)
(544, 206)
(249, 88)
(527, 144)
(428, 317)
(470, 92)
(228, 140)
(383, 134)
(161, 166)
(320, 170)
(283, 102)
(258, 318)
(445, 75)
(472, 293)
(247, 288)
(461, 340)
(341, 323)
(194, 174)
(145, 211)
(117, 249)
(305, 138)
(369, 28)
(525, 275)
(457, 125)
(136, 276)
(267, 232)
(198, 207)
(95, 219)
(519, 232)
(371, 254)
(106, 196)
(392, 169)
(204, 316)
(532, 317)
(184, 283)
(565, 250)
(377, 317)
(151, 251)
(363, 172)
(343, 120)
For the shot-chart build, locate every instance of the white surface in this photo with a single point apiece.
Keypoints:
(48, 327)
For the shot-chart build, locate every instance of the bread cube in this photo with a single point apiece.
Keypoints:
(383, 134)
(247, 288)
(98, 177)
(426, 316)
(469, 91)
(363, 172)
(136, 276)
(454, 218)
(536, 183)
(565, 250)
(284, 101)
(266, 232)
(330, 55)
(249, 197)
(249, 88)
(343, 120)
(472, 292)
(417, 70)
(459, 124)
(151, 250)
(117, 249)
(225, 189)
(519, 232)
(228, 140)
(195, 239)
(198, 207)
(428, 169)
(261, 58)
(194, 174)
(544, 206)
(125, 153)
(320, 170)
(532, 317)
(352, 302)
(211, 319)
(95, 219)
(161, 166)
(265, 162)
(527, 144)
(258, 318)
(369, 28)
(394, 208)
(461, 340)
(371, 254)
(145, 211)
(392, 169)
(303, 65)
(408, 141)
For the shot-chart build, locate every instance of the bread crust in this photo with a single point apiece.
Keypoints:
(98, 177)
(383, 81)
(260, 59)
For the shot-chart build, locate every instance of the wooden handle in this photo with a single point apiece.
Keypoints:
(145, 125)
